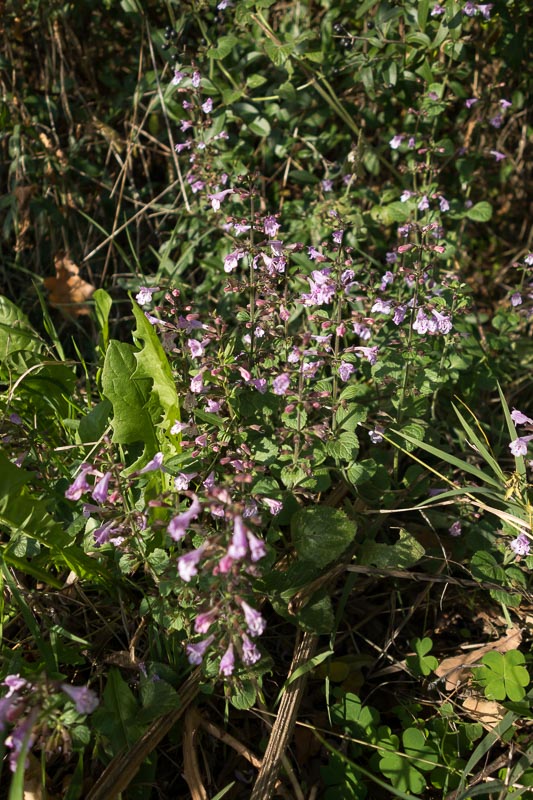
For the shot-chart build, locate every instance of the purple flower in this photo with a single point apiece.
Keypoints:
(381, 307)
(257, 546)
(396, 141)
(519, 418)
(455, 528)
(424, 203)
(437, 10)
(203, 622)
(274, 506)
(363, 331)
(521, 545)
(239, 541)
(250, 653)
(227, 662)
(144, 295)
(103, 534)
(376, 435)
(80, 485)
(497, 155)
(280, 384)
(177, 527)
(99, 493)
(337, 236)
(516, 299)
(196, 652)
(153, 465)
(471, 102)
(14, 683)
(322, 289)
(346, 370)
(370, 353)
(391, 257)
(496, 121)
(315, 255)
(518, 447)
(207, 107)
(255, 622)
(399, 314)
(218, 197)
(196, 79)
(505, 104)
(197, 383)
(183, 146)
(470, 9)
(178, 77)
(84, 698)
(196, 348)
(271, 226)
(405, 195)
(187, 563)
(231, 261)
(327, 185)
(444, 323)
(485, 9)
(20, 737)
(443, 204)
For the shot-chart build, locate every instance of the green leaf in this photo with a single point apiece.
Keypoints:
(481, 212)
(344, 448)
(260, 126)
(21, 512)
(16, 333)
(321, 534)
(117, 717)
(224, 46)
(317, 616)
(102, 307)
(503, 675)
(401, 555)
(422, 663)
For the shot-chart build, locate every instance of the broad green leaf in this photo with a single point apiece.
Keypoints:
(406, 552)
(16, 333)
(152, 364)
(260, 126)
(131, 421)
(321, 534)
(481, 212)
(317, 616)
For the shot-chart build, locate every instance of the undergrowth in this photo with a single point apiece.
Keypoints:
(265, 498)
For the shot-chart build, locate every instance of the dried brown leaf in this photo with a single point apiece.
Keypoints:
(68, 292)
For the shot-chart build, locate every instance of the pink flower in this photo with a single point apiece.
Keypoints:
(455, 528)
(99, 493)
(255, 622)
(281, 384)
(187, 564)
(227, 662)
(84, 698)
(80, 485)
(271, 226)
(144, 295)
(345, 370)
(239, 542)
(207, 107)
(521, 545)
(203, 622)
(218, 197)
(518, 447)
(257, 546)
(153, 465)
(196, 652)
(177, 527)
(196, 79)
(196, 348)
(519, 418)
(250, 653)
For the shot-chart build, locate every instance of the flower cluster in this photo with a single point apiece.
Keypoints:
(27, 709)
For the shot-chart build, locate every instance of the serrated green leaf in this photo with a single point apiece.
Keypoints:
(321, 534)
